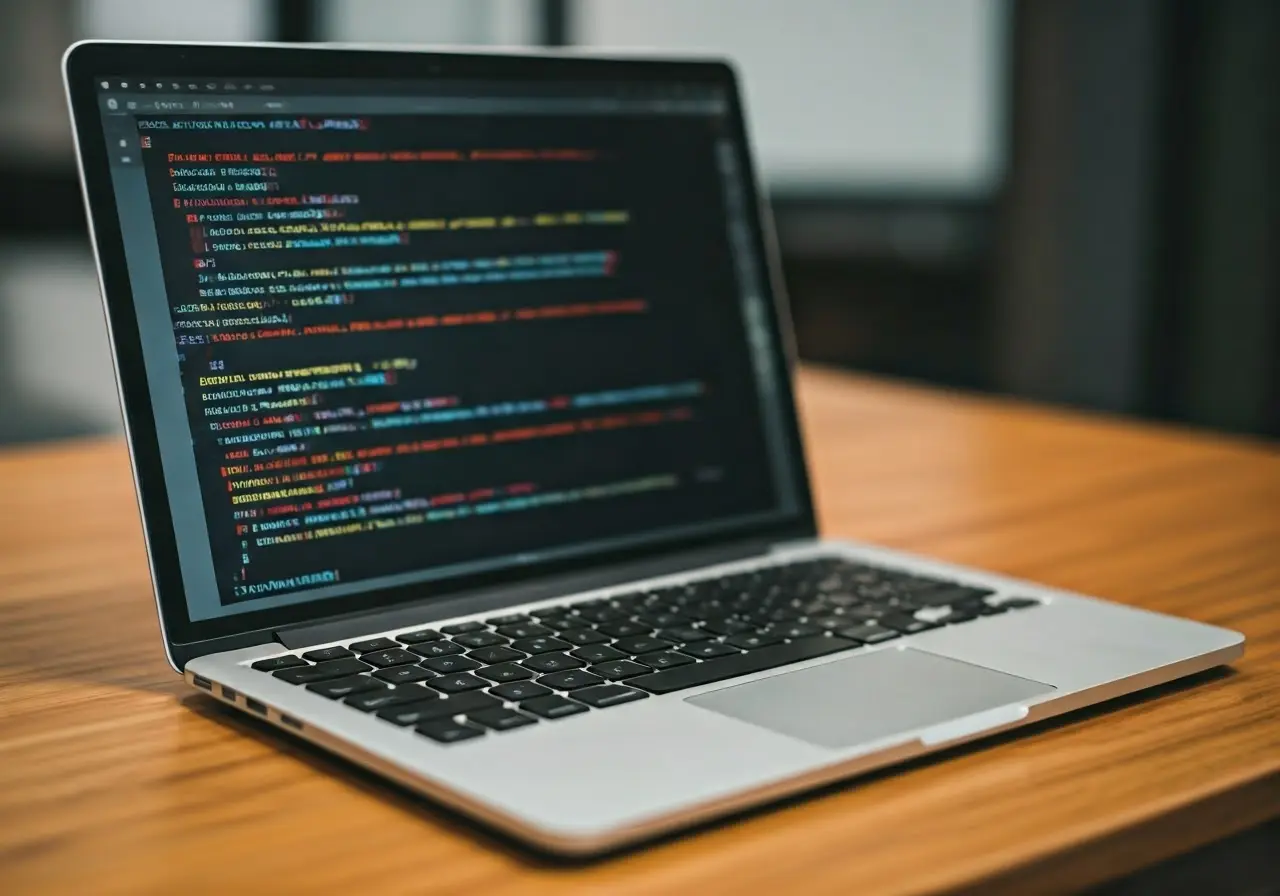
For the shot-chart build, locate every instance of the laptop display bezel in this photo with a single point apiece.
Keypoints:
(86, 61)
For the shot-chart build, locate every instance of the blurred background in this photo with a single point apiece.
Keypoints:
(1072, 202)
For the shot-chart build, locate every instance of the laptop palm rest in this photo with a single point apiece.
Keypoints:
(873, 696)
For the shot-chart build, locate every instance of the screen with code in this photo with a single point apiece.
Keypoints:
(410, 343)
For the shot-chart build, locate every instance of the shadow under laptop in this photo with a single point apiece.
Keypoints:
(457, 823)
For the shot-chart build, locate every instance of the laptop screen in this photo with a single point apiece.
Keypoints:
(402, 332)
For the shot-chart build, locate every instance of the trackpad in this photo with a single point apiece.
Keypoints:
(868, 697)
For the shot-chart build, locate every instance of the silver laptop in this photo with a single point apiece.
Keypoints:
(457, 390)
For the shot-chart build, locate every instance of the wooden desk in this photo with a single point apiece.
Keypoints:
(115, 778)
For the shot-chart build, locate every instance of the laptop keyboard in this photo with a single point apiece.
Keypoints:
(461, 681)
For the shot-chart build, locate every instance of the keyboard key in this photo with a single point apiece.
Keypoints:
(634, 646)
(479, 639)
(550, 612)
(793, 630)
(439, 708)
(867, 634)
(571, 680)
(519, 690)
(501, 719)
(618, 669)
(552, 662)
(404, 674)
(419, 637)
(505, 672)
(907, 625)
(447, 731)
(437, 648)
(663, 660)
(992, 609)
(525, 630)
(373, 644)
(752, 641)
(448, 664)
(566, 623)
(321, 672)
(625, 628)
(461, 628)
(1019, 603)
(597, 653)
(584, 636)
(684, 634)
(606, 695)
(372, 701)
(728, 626)
(385, 659)
(491, 655)
(324, 654)
(663, 620)
(552, 707)
(337, 688)
(743, 664)
(453, 684)
(509, 619)
(539, 645)
(709, 650)
(288, 661)
(600, 614)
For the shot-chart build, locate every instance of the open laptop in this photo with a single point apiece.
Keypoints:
(457, 391)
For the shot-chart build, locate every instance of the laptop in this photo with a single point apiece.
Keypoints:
(457, 389)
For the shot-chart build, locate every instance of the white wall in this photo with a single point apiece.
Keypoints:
(873, 95)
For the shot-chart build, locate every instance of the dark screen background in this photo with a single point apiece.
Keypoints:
(704, 458)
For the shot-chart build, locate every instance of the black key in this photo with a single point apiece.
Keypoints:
(372, 701)
(385, 659)
(446, 665)
(419, 637)
(907, 625)
(539, 645)
(552, 706)
(461, 628)
(616, 669)
(663, 620)
(709, 650)
(663, 660)
(728, 626)
(453, 684)
(625, 628)
(552, 662)
(337, 688)
(509, 619)
(437, 648)
(753, 641)
(525, 630)
(480, 639)
(795, 630)
(321, 672)
(641, 645)
(571, 680)
(607, 695)
(584, 636)
(830, 623)
(501, 719)
(324, 654)
(867, 634)
(288, 661)
(491, 655)
(404, 674)
(373, 644)
(458, 704)
(550, 612)
(990, 610)
(743, 664)
(597, 653)
(505, 672)
(950, 594)
(955, 617)
(1019, 603)
(447, 731)
(684, 634)
(600, 614)
(567, 623)
(519, 690)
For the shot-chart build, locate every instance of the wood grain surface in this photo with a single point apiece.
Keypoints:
(114, 778)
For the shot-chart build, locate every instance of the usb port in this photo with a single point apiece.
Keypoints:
(228, 693)
(202, 682)
(290, 721)
(255, 706)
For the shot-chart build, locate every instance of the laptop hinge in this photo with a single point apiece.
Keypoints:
(495, 598)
